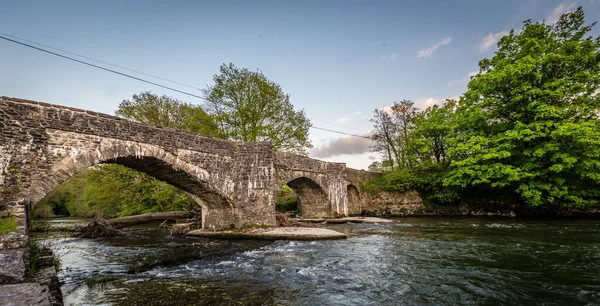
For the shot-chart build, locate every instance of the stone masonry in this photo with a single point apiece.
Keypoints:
(43, 145)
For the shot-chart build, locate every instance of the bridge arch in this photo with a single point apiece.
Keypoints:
(42, 145)
(312, 199)
(153, 160)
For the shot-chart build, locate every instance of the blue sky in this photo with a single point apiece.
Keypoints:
(338, 59)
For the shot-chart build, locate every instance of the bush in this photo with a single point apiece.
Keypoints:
(286, 203)
(427, 180)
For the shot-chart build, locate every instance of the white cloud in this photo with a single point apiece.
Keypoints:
(491, 40)
(342, 121)
(426, 102)
(351, 145)
(558, 11)
(429, 51)
(387, 109)
(431, 101)
(473, 73)
(391, 58)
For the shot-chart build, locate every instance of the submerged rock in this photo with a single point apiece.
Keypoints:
(24, 294)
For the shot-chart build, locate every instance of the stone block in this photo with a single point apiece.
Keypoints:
(12, 267)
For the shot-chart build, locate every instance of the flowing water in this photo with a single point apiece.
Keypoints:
(416, 261)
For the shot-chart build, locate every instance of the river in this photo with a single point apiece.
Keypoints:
(416, 261)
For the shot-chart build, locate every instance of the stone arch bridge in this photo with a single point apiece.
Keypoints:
(43, 145)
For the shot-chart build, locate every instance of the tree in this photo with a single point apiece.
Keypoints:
(375, 166)
(393, 131)
(164, 111)
(383, 135)
(528, 123)
(250, 107)
(433, 127)
(403, 114)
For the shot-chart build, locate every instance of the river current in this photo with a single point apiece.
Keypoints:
(416, 261)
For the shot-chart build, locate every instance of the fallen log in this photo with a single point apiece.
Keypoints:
(150, 217)
(105, 228)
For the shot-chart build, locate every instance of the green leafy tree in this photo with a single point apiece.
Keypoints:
(112, 191)
(250, 107)
(528, 123)
(433, 127)
(164, 111)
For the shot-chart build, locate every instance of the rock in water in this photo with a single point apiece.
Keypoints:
(12, 267)
(26, 294)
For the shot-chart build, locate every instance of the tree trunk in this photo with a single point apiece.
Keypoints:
(150, 217)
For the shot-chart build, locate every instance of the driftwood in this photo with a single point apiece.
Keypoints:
(150, 217)
(100, 228)
(112, 227)
(283, 220)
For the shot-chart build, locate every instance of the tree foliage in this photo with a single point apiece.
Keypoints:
(112, 191)
(527, 130)
(529, 120)
(249, 107)
(164, 111)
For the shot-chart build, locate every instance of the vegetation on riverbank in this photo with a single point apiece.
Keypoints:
(112, 191)
(8, 225)
(526, 132)
(286, 200)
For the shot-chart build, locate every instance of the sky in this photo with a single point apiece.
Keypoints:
(338, 59)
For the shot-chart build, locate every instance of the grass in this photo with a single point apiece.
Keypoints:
(34, 257)
(8, 225)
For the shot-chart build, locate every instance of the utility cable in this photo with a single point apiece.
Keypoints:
(133, 77)
(328, 130)
(99, 61)
(103, 68)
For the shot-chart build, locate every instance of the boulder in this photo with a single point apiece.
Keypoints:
(12, 267)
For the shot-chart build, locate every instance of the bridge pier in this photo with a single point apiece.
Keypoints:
(42, 145)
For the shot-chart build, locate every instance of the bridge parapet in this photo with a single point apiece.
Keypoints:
(42, 145)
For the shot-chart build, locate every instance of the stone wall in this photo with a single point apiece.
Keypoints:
(320, 186)
(42, 145)
(393, 204)
(357, 199)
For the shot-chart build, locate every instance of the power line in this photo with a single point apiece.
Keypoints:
(130, 76)
(103, 68)
(333, 131)
(99, 61)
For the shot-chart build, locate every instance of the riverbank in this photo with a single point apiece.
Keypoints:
(409, 204)
(35, 284)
